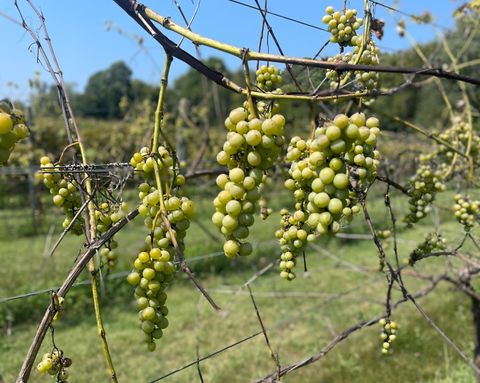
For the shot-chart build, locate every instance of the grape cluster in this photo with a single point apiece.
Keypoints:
(437, 166)
(423, 187)
(325, 173)
(342, 26)
(388, 334)
(55, 364)
(369, 55)
(293, 235)
(12, 129)
(366, 55)
(64, 191)
(466, 211)
(433, 241)
(167, 217)
(106, 215)
(252, 146)
(268, 78)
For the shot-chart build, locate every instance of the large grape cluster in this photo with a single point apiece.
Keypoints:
(342, 25)
(167, 217)
(12, 129)
(64, 193)
(55, 364)
(268, 78)
(433, 241)
(252, 146)
(423, 187)
(326, 172)
(466, 211)
(388, 334)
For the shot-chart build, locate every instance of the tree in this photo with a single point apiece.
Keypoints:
(105, 92)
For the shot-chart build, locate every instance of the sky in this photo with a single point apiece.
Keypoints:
(83, 44)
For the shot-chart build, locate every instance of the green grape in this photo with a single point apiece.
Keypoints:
(342, 25)
(253, 144)
(65, 193)
(12, 130)
(268, 78)
(432, 242)
(321, 170)
(423, 187)
(362, 54)
(55, 364)
(388, 335)
(466, 211)
(167, 218)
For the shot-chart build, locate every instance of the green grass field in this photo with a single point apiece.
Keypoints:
(301, 317)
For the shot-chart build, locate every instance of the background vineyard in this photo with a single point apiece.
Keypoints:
(341, 287)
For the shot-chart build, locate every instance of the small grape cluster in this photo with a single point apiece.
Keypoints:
(235, 206)
(369, 55)
(12, 130)
(167, 217)
(293, 235)
(321, 173)
(424, 186)
(64, 191)
(466, 211)
(55, 364)
(342, 26)
(388, 334)
(253, 144)
(106, 215)
(268, 78)
(433, 241)
(366, 55)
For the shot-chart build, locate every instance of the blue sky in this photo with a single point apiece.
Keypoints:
(84, 46)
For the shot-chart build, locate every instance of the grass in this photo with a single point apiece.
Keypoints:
(301, 317)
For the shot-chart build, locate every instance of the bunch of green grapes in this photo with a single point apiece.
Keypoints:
(167, 217)
(325, 173)
(388, 334)
(342, 25)
(293, 235)
(433, 241)
(55, 364)
(423, 187)
(268, 78)
(12, 129)
(466, 211)
(461, 136)
(106, 215)
(253, 144)
(64, 191)
(365, 55)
